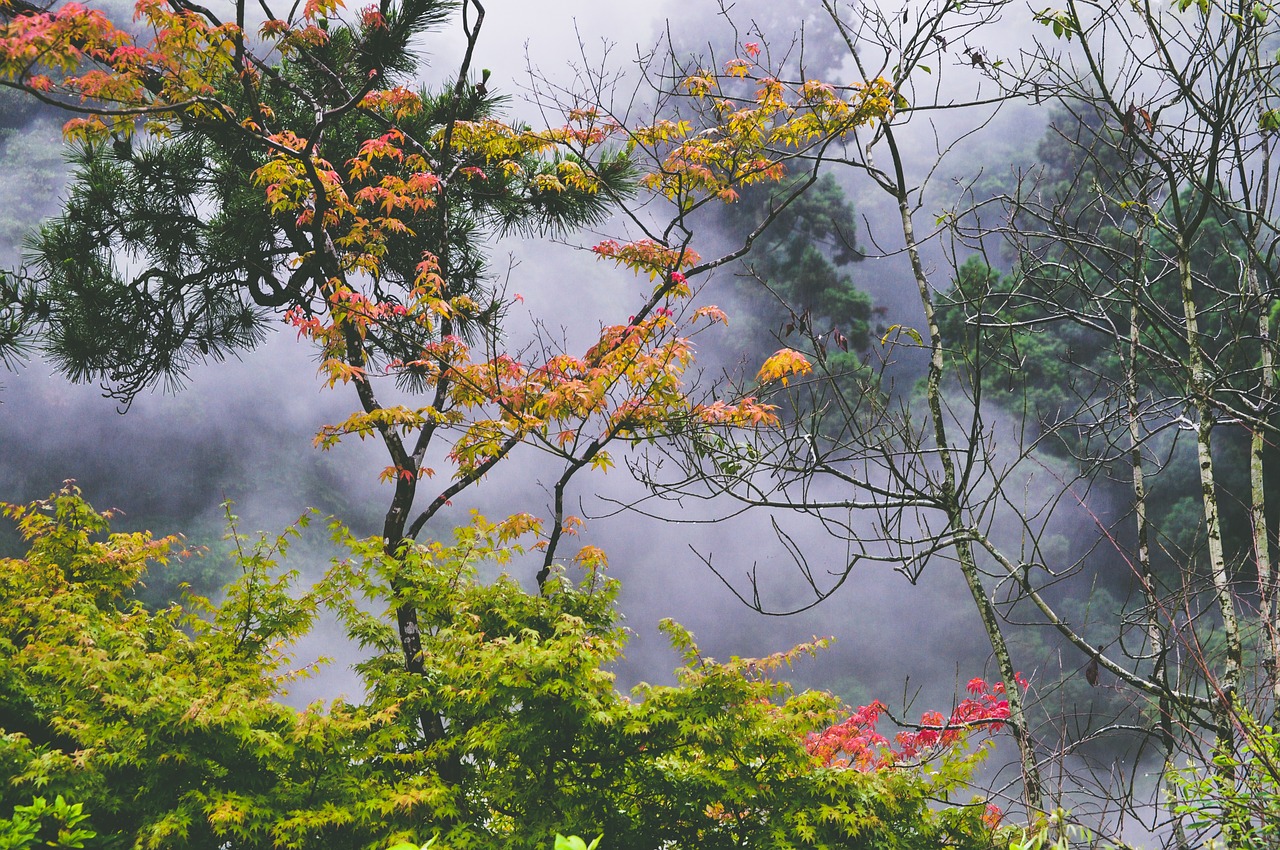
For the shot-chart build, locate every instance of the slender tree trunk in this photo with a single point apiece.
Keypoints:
(1157, 627)
(1228, 685)
(393, 527)
(1267, 582)
(1032, 787)
(1200, 392)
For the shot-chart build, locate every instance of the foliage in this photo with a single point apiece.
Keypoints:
(298, 177)
(802, 261)
(854, 742)
(167, 725)
(225, 179)
(573, 842)
(1237, 795)
(44, 824)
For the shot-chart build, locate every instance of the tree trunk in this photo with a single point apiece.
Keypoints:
(1228, 684)
(1157, 627)
(1032, 787)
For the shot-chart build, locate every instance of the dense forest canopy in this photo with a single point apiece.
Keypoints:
(1074, 418)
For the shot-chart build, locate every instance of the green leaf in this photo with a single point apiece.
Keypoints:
(573, 842)
(902, 329)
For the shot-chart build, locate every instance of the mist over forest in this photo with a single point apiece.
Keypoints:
(992, 408)
(242, 430)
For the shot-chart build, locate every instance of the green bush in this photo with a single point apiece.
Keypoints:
(44, 824)
(168, 725)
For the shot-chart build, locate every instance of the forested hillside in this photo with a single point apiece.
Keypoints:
(946, 327)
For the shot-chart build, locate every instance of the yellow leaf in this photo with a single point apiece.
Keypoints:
(591, 557)
(902, 329)
(782, 365)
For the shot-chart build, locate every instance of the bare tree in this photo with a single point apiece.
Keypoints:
(848, 445)
(1156, 261)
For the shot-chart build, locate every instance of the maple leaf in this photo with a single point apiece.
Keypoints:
(785, 363)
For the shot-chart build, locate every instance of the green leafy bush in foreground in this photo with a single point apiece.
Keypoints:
(167, 726)
(45, 824)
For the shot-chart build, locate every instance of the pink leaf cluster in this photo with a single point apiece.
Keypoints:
(855, 743)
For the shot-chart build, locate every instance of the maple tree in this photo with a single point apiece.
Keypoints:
(165, 727)
(290, 172)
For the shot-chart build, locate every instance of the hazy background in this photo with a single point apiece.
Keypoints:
(242, 430)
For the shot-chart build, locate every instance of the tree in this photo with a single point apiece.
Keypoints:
(1140, 297)
(297, 177)
(889, 489)
(165, 726)
(1179, 275)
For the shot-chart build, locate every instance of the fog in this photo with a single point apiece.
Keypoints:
(242, 430)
